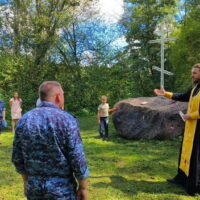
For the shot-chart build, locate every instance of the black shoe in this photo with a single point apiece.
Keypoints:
(174, 181)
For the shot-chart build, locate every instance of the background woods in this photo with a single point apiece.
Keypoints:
(69, 41)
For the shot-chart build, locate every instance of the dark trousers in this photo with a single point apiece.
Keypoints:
(50, 188)
(103, 127)
(1, 124)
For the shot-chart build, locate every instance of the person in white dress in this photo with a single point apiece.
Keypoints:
(16, 109)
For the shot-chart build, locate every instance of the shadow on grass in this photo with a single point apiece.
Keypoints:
(130, 187)
(153, 158)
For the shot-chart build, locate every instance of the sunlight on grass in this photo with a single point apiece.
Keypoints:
(119, 169)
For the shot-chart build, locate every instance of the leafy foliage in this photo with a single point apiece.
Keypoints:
(66, 40)
(145, 16)
(185, 52)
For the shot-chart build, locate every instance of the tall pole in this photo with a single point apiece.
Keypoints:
(162, 40)
(162, 57)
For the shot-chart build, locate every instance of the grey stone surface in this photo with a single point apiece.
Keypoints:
(149, 118)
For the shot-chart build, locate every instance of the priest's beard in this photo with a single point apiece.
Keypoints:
(196, 82)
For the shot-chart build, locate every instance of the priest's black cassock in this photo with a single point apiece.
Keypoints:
(189, 161)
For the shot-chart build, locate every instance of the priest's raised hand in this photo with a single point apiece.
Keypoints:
(159, 92)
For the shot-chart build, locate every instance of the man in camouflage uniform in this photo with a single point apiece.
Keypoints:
(48, 150)
(2, 116)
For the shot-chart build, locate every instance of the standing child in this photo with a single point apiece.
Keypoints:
(103, 114)
(16, 110)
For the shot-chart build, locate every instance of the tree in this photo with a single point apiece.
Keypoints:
(185, 51)
(30, 30)
(145, 16)
(86, 41)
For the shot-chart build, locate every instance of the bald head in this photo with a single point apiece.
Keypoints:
(51, 91)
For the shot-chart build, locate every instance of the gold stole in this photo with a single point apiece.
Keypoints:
(190, 128)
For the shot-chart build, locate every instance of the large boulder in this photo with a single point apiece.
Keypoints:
(149, 118)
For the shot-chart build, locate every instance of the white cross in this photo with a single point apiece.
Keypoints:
(164, 71)
(162, 41)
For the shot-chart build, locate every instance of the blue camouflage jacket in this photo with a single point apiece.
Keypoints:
(47, 143)
(2, 108)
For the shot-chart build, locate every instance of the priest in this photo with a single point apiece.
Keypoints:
(188, 174)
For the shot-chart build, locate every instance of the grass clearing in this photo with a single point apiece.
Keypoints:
(119, 169)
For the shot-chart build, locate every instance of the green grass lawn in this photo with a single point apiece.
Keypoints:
(119, 169)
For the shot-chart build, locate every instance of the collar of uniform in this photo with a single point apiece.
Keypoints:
(48, 104)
